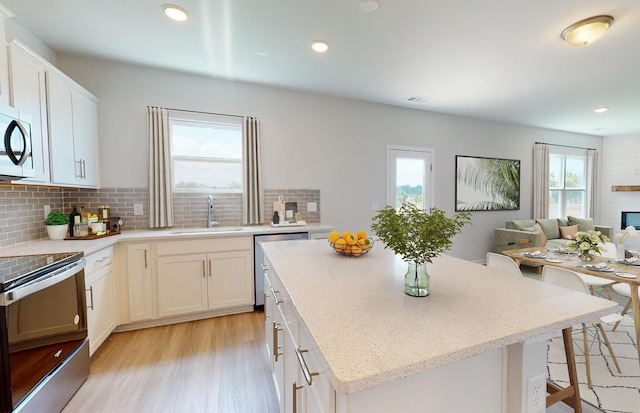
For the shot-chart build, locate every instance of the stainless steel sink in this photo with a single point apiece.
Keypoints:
(207, 230)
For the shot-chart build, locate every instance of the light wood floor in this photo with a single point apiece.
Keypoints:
(213, 365)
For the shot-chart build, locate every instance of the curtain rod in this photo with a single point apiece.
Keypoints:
(206, 113)
(567, 146)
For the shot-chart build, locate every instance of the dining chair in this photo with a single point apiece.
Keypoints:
(623, 289)
(504, 263)
(569, 279)
(609, 251)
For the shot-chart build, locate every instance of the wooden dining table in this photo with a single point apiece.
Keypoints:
(573, 263)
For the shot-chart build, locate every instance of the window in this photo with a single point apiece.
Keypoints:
(409, 176)
(567, 185)
(206, 151)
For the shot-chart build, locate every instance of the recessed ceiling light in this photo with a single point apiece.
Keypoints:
(174, 12)
(320, 46)
(369, 5)
(587, 31)
(601, 110)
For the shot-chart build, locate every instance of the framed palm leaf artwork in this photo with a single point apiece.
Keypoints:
(487, 184)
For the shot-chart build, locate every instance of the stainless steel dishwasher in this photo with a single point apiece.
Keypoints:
(258, 259)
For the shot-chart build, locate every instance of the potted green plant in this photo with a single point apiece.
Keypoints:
(417, 236)
(57, 224)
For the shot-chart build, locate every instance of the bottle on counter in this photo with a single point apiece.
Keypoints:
(74, 219)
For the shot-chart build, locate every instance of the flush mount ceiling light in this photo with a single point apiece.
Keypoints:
(601, 110)
(587, 31)
(369, 5)
(320, 46)
(174, 12)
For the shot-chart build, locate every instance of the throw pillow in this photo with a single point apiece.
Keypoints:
(584, 224)
(543, 238)
(536, 228)
(549, 227)
(569, 232)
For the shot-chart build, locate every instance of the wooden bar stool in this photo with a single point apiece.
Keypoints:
(570, 395)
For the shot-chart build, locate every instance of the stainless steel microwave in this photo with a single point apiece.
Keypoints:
(16, 157)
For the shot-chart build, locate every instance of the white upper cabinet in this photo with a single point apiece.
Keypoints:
(72, 132)
(29, 95)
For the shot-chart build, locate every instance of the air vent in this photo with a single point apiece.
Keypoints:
(418, 99)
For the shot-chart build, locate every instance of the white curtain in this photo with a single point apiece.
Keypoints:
(160, 169)
(253, 196)
(592, 183)
(541, 181)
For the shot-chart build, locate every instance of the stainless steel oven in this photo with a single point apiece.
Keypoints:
(44, 349)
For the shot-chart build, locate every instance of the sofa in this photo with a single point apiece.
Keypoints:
(543, 233)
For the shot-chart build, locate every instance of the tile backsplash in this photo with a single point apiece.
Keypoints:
(22, 207)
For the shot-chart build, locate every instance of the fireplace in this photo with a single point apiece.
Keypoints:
(630, 218)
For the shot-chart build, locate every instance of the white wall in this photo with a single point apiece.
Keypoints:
(311, 141)
(620, 167)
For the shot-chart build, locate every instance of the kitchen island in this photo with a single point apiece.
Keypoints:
(477, 343)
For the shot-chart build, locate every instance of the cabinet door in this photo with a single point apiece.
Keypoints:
(268, 318)
(85, 119)
(140, 282)
(277, 334)
(29, 95)
(101, 306)
(230, 279)
(64, 169)
(182, 284)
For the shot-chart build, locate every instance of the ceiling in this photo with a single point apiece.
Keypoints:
(501, 60)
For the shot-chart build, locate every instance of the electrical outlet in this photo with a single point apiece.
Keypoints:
(137, 209)
(47, 211)
(312, 207)
(537, 394)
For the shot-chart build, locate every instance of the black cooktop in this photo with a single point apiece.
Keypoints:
(20, 269)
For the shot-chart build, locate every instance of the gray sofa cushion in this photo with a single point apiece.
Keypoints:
(549, 227)
(521, 224)
(584, 224)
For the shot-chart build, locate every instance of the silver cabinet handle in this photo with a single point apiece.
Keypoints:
(79, 174)
(204, 270)
(276, 299)
(106, 257)
(145, 258)
(209, 268)
(276, 346)
(90, 296)
(295, 389)
(308, 376)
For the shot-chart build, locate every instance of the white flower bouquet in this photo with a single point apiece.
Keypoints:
(629, 232)
(587, 241)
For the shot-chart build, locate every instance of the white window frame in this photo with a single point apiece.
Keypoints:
(186, 117)
(427, 154)
(564, 153)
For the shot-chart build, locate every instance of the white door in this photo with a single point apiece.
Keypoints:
(409, 176)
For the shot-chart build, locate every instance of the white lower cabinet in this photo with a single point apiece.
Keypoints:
(219, 277)
(100, 283)
(301, 383)
(139, 281)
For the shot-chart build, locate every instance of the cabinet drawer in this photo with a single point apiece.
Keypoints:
(204, 245)
(98, 260)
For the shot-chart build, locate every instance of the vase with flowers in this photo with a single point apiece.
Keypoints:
(418, 236)
(621, 237)
(584, 242)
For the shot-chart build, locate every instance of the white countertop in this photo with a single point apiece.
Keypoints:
(369, 332)
(47, 246)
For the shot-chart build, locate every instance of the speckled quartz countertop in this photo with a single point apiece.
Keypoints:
(369, 332)
(47, 246)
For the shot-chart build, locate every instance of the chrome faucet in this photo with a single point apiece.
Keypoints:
(210, 221)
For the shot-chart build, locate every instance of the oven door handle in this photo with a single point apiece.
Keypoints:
(39, 284)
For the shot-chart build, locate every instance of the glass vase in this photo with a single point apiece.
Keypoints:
(416, 280)
(585, 256)
(620, 251)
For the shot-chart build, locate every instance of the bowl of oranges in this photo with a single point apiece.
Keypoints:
(350, 244)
